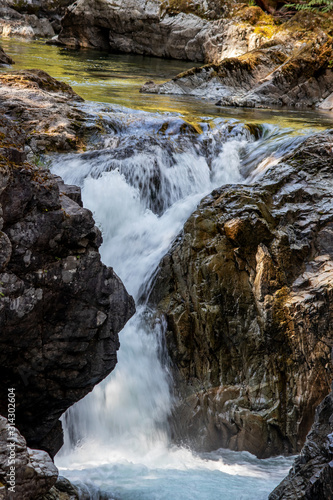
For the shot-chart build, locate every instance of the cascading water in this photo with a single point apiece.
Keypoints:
(141, 186)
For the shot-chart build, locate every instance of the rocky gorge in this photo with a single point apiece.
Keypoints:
(246, 287)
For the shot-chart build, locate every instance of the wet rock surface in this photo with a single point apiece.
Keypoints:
(60, 308)
(34, 472)
(311, 476)
(246, 291)
(47, 110)
(62, 490)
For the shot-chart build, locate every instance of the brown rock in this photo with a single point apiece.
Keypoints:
(289, 65)
(4, 59)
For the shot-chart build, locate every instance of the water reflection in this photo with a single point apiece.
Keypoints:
(117, 78)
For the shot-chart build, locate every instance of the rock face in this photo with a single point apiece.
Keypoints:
(60, 308)
(13, 23)
(33, 474)
(4, 59)
(246, 291)
(62, 490)
(290, 66)
(311, 477)
(163, 29)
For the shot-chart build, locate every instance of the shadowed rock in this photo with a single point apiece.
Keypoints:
(4, 59)
(311, 477)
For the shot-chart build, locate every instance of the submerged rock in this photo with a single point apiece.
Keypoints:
(311, 477)
(246, 291)
(60, 308)
(30, 474)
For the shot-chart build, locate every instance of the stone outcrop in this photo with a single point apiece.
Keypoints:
(47, 111)
(60, 308)
(15, 23)
(48, 13)
(199, 32)
(311, 477)
(246, 292)
(33, 472)
(4, 58)
(292, 66)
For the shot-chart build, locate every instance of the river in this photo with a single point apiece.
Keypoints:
(161, 157)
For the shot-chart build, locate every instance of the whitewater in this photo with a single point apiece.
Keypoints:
(142, 184)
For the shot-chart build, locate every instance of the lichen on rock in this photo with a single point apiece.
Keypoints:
(290, 64)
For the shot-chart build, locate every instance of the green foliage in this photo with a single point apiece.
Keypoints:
(41, 161)
(312, 6)
(252, 3)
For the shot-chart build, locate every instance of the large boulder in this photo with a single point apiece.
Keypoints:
(194, 31)
(60, 308)
(46, 110)
(246, 292)
(311, 477)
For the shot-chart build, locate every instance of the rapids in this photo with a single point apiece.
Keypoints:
(142, 185)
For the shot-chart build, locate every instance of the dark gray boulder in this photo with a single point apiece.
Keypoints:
(311, 477)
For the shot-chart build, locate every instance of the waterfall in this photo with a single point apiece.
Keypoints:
(141, 186)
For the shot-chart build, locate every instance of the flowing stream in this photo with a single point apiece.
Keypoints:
(158, 160)
(141, 186)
